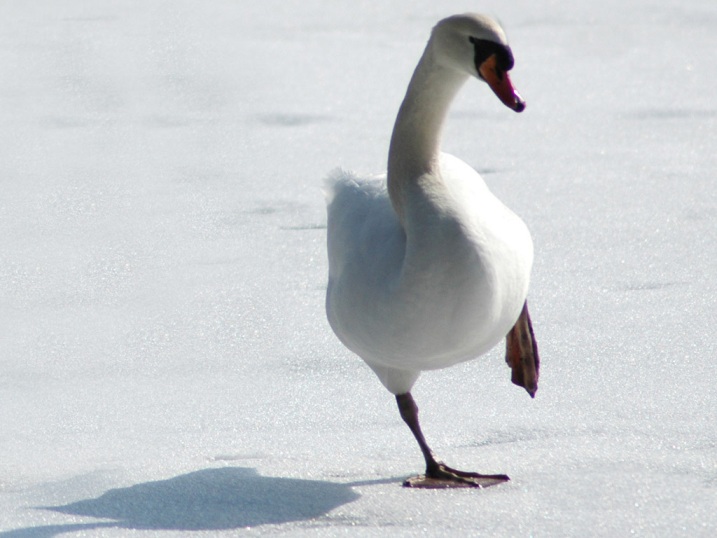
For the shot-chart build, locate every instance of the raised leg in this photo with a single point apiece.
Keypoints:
(521, 353)
(438, 474)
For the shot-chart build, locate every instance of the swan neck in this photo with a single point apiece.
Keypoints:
(415, 143)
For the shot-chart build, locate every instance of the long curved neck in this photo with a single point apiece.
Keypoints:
(415, 143)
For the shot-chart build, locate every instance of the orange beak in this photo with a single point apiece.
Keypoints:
(500, 83)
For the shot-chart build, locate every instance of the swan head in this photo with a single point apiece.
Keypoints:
(476, 45)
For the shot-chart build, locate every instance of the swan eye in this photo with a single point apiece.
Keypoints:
(484, 49)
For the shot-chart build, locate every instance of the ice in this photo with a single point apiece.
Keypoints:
(165, 363)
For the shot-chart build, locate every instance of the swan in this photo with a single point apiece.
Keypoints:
(426, 267)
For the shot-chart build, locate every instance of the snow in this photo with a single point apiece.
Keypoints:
(165, 363)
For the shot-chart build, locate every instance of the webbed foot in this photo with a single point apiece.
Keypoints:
(441, 476)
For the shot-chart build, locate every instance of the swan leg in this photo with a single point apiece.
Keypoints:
(521, 353)
(438, 474)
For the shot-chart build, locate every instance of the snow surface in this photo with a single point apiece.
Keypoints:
(166, 366)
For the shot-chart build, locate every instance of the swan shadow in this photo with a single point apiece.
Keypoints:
(211, 499)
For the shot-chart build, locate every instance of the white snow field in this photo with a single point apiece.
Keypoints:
(165, 363)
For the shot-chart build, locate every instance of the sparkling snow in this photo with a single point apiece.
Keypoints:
(165, 363)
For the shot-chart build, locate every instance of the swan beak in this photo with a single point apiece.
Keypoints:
(500, 83)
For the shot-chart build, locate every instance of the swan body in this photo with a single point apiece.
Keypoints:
(445, 290)
(427, 268)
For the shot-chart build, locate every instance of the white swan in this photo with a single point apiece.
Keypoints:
(427, 268)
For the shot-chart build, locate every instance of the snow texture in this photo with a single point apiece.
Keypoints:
(165, 362)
